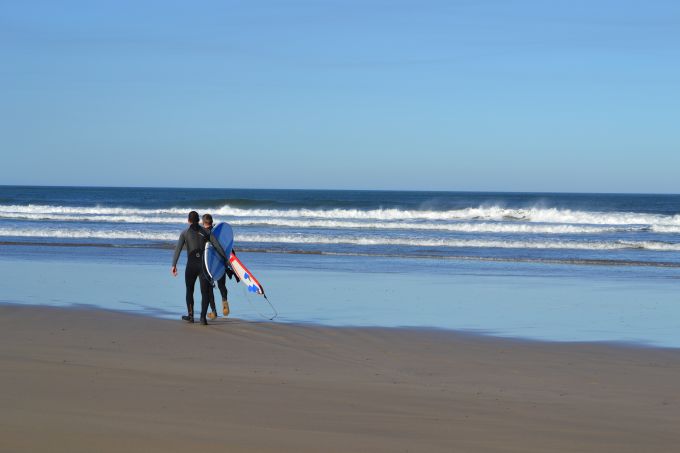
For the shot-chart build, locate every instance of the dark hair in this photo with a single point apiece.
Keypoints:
(193, 217)
(207, 218)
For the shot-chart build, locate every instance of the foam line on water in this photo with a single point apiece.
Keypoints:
(348, 240)
(461, 227)
(664, 223)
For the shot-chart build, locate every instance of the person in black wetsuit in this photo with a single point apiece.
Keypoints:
(221, 283)
(195, 239)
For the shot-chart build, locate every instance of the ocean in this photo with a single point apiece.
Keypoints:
(567, 228)
(428, 246)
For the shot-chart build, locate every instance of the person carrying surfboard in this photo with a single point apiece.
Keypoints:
(221, 282)
(195, 238)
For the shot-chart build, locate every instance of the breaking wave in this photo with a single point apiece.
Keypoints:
(350, 240)
(458, 227)
(482, 213)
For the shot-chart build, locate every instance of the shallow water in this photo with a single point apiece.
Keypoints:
(523, 300)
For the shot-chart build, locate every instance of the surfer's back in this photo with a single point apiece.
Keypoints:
(194, 237)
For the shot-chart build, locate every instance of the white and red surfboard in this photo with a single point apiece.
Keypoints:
(254, 286)
(246, 277)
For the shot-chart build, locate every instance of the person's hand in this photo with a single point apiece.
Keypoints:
(173, 271)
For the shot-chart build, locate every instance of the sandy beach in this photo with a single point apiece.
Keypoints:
(92, 380)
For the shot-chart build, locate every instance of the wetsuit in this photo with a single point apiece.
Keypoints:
(195, 239)
(222, 286)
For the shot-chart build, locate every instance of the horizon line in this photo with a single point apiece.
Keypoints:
(64, 186)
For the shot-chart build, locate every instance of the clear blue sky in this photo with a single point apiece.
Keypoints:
(444, 95)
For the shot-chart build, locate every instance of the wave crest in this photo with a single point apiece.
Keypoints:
(230, 213)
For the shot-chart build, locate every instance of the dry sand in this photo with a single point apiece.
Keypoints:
(77, 380)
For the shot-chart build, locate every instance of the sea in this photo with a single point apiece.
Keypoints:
(542, 266)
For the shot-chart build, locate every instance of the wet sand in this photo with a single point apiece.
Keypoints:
(79, 380)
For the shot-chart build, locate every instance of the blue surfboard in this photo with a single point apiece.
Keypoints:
(214, 263)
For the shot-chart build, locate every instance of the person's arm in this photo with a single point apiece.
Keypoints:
(178, 251)
(230, 270)
(231, 274)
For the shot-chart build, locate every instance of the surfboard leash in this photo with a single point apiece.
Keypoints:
(254, 307)
(276, 313)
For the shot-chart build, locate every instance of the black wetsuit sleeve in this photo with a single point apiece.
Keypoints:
(178, 249)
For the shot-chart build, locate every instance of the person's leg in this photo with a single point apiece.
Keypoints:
(211, 300)
(222, 285)
(206, 290)
(190, 282)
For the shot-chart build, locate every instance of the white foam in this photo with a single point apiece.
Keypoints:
(491, 213)
(83, 233)
(84, 210)
(368, 218)
(348, 240)
(145, 219)
(462, 227)
(459, 227)
(461, 243)
(665, 229)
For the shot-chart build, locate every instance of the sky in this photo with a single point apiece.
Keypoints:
(547, 96)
